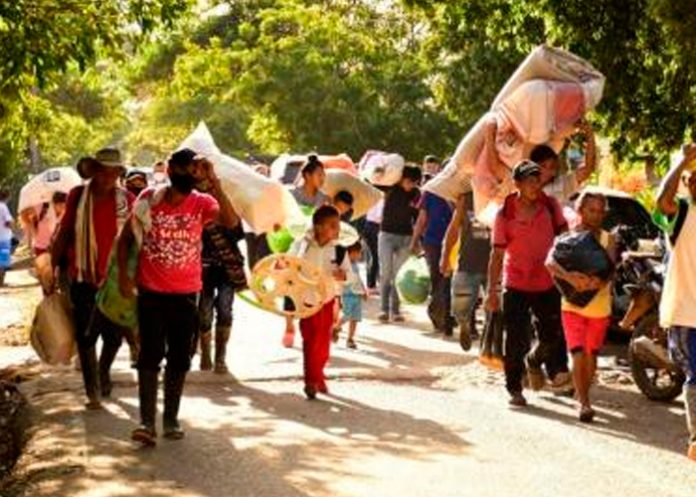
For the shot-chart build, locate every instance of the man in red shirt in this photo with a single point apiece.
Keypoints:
(523, 234)
(168, 224)
(94, 214)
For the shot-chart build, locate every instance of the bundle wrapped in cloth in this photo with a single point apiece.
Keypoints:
(262, 202)
(381, 168)
(540, 104)
(365, 196)
(286, 167)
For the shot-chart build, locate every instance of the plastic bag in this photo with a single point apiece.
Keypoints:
(53, 331)
(413, 281)
(114, 306)
(580, 251)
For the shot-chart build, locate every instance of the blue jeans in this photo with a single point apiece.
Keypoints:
(682, 350)
(393, 252)
(466, 288)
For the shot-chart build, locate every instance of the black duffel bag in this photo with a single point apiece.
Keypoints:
(580, 251)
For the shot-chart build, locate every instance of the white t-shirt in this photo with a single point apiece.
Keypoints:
(322, 257)
(678, 302)
(5, 219)
(563, 187)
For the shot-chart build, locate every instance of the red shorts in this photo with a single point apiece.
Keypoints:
(584, 334)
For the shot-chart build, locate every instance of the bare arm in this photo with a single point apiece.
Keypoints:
(419, 229)
(584, 172)
(452, 235)
(495, 271)
(669, 186)
(125, 240)
(227, 216)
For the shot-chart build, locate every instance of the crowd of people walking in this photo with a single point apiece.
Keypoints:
(185, 235)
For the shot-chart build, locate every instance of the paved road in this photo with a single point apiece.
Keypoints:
(409, 415)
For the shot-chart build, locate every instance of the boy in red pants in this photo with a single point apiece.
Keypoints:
(318, 247)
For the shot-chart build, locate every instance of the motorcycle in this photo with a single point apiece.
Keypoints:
(637, 291)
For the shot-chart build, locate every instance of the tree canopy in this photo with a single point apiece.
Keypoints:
(270, 76)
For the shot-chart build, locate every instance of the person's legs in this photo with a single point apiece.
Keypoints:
(223, 325)
(437, 308)
(206, 305)
(151, 323)
(546, 309)
(82, 296)
(386, 250)
(310, 328)
(465, 291)
(401, 254)
(517, 340)
(682, 348)
(323, 343)
(112, 337)
(371, 240)
(180, 328)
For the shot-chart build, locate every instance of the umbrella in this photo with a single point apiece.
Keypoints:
(41, 187)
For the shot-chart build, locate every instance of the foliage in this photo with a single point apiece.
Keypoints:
(645, 47)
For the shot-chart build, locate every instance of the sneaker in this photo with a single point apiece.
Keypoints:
(173, 432)
(383, 318)
(517, 400)
(399, 318)
(691, 454)
(464, 338)
(562, 384)
(536, 377)
(350, 343)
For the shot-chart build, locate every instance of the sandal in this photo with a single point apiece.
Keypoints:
(586, 415)
(350, 343)
(145, 435)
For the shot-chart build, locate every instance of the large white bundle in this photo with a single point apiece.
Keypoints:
(540, 103)
(41, 187)
(365, 196)
(262, 202)
(53, 332)
(382, 168)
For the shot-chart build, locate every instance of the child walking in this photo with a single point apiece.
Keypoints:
(354, 292)
(586, 327)
(318, 247)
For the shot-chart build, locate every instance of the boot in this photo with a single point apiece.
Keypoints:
(90, 376)
(147, 391)
(206, 361)
(173, 388)
(222, 335)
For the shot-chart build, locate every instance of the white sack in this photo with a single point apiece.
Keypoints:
(260, 201)
(527, 113)
(40, 188)
(365, 196)
(382, 168)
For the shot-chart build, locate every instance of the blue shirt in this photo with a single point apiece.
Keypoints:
(439, 213)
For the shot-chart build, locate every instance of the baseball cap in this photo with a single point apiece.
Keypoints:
(525, 169)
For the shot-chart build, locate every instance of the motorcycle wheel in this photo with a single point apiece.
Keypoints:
(658, 384)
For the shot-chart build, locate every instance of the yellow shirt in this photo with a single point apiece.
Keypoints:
(600, 305)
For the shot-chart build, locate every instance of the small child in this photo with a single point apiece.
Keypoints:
(354, 293)
(318, 247)
(586, 327)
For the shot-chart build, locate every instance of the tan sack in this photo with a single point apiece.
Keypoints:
(53, 330)
(365, 196)
(260, 201)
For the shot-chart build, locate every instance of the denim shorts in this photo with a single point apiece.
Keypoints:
(352, 307)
